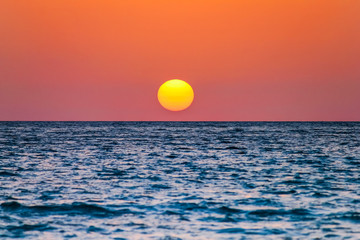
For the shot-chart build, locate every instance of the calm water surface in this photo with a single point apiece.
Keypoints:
(179, 180)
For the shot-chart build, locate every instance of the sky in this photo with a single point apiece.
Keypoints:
(247, 60)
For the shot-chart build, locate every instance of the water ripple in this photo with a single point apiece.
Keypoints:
(179, 180)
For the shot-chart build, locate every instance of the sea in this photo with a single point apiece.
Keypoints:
(179, 180)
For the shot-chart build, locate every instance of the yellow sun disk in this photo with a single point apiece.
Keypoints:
(175, 95)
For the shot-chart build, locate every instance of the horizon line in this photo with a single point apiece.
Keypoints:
(180, 121)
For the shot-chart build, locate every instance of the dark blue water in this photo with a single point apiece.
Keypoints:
(179, 180)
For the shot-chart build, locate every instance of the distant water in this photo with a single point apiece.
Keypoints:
(179, 180)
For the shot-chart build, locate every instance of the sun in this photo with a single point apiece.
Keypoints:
(175, 95)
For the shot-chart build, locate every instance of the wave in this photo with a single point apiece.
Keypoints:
(76, 208)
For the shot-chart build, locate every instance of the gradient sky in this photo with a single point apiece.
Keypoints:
(246, 59)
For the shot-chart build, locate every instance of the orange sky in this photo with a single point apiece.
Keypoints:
(246, 59)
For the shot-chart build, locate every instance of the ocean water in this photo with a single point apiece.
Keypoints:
(180, 180)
